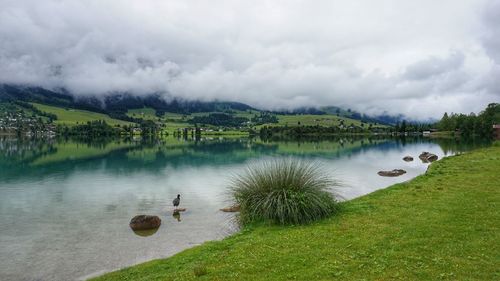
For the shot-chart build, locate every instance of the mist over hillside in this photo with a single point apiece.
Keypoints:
(120, 103)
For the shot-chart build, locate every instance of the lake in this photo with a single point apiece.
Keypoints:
(65, 205)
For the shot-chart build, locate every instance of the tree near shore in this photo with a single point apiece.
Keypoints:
(472, 124)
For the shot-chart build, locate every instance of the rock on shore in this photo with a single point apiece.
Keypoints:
(234, 208)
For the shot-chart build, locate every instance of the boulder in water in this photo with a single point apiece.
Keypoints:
(427, 157)
(408, 158)
(143, 222)
(393, 173)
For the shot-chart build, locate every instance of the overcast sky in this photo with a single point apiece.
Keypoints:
(418, 58)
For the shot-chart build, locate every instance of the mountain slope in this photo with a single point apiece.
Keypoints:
(129, 108)
(71, 117)
(116, 103)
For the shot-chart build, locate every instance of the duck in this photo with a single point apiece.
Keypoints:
(177, 201)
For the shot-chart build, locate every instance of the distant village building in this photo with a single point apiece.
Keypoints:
(496, 131)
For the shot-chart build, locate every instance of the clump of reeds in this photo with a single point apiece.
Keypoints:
(284, 191)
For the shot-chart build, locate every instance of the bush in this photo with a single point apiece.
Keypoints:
(284, 191)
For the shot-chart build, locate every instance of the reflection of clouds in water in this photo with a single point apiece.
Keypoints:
(360, 172)
(205, 183)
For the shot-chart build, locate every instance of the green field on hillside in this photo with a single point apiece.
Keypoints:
(145, 113)
(326, 120)
(443, 225)
(172, 122)
(72, 117)
(288, 120)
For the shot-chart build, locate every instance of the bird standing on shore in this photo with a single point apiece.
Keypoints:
(177, 201)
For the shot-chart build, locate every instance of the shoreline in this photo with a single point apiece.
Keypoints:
(206, 248)
(100, 273)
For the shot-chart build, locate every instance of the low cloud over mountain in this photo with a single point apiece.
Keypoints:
(418, 58)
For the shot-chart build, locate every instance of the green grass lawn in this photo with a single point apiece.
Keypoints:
(72, 117)
(443, 225)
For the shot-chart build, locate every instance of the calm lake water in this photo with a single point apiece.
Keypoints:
(65, 205)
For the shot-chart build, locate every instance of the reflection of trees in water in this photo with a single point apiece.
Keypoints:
(210, 152)
(153, 155)
(459, 145)
(99, 143)
(17, 149)
(27, 150)
(21, 150)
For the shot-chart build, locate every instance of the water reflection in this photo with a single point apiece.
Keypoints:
(20, 158)
(146, 233)
(96, 187)
(177, 216)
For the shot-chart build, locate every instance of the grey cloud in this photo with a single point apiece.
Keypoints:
(491, 43)
(434, 66)
(491, 32)
(390, 56)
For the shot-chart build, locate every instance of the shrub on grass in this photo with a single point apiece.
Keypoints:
(284, 191)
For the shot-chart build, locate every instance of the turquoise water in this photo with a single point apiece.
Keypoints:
(65, 205)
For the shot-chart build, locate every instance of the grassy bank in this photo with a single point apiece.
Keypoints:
(440, 226)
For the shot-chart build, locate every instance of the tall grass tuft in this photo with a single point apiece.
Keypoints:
(284, 191)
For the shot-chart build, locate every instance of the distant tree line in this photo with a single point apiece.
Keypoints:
(219, 119)
(302, 110)
(264, 118)
(100, 128)
(97, 128)
(472, 124)
(149, 128)
(404, 126)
